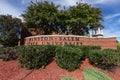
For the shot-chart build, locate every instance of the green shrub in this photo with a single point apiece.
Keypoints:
(106, 59)
(1, 49)
(118, 45)
(95, 56)
(113, 57)
(8, 53)
(34, 57)
(69, 45)
(99, 59)
(92, 74)
(95, 47)
(68, 58)
(51, 49)
(85, 49)
(68, 78)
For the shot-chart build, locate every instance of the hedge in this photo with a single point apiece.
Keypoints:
(34, 57)
(8, 53)
(106, 59)
(68, 58)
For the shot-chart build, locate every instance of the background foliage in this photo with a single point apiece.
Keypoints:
(9, 30)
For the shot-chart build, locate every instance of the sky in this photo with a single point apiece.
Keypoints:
(110, 11)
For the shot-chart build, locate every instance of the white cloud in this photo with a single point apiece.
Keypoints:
(65, 2)
(112, 29)
(23, 1)
(6, 8)
(73, 2)
(93, 2)
(112, 16)
(70, 2)
(111, 33)
(101, 1)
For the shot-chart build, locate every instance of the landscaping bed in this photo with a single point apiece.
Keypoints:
(11, 70)
(59, 63)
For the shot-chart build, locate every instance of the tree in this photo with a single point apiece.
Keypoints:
(75, 19)
(41, 15)
(83, 16)
(62, 20)
(9, 30)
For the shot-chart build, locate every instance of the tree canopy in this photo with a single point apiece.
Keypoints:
(41, 15)
(82, 16)
(49, 17)
(9, 29)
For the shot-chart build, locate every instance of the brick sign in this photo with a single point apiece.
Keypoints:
(53, 40)
(105, 43)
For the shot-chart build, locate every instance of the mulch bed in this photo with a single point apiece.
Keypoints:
(11, 70)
